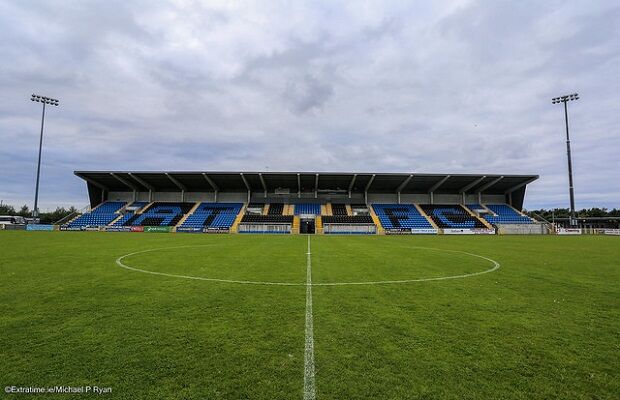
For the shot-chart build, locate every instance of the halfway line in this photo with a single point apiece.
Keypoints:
(309, 386)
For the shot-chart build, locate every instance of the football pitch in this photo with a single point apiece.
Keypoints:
(182, 316)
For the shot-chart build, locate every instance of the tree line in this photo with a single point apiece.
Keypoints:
(565, 213)
(45, 217)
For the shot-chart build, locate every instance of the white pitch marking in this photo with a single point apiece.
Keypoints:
(119, 262)
(309, 385)
(496, 266)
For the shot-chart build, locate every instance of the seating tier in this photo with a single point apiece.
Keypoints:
(213, 215)
(308, 208)
(505, 215)
(160, 214)
(397, 216)
(100, 216)
(451, 216)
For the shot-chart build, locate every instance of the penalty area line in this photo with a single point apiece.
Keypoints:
(309, 385)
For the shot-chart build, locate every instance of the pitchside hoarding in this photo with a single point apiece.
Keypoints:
(412, 231)
(463, 231)
(39, 227)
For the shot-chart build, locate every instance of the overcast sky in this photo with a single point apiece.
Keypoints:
(428, 87)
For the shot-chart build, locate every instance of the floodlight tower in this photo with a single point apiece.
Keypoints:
(565, 99)
(52, 102)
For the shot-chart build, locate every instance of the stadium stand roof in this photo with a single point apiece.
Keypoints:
(211, 181)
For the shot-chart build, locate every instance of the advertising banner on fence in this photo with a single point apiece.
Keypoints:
(216, 230)
(137, 228)
(615, 232)
(157, 229)
(397, 231)
(12, 227)
(71, 228)
(117, 228)
(411, 231)
(427, 231)
(465, 231)
(190, 230)
(39, 227)
(568, 231)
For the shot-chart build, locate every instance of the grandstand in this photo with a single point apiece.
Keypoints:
(306, 202)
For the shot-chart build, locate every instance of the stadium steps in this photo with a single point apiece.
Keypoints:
(76, 216)
(146, 207)
(97, 206)
(295, 228)
(235, 226)
(328, 209)
(520, 213)
(116, 219)
(487, 209)
(348, 207)
(292, 209)
(375, 219)
(266, 209)
(428, 218)
(323, 209)
(318, 225)
(473, 214)
(288, 209)
(190, 212)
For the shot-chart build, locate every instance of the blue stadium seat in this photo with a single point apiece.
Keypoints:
(451, 216)
(100, 216)
(308, 208)
(505, 215)
(213, 215)
(398, 216)
(160, 214)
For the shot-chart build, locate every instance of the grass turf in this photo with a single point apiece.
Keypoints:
(545, 325)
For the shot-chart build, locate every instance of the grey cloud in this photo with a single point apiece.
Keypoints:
(307, 93)
(388, 86)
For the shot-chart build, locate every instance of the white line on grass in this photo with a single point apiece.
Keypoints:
(496, 266)
(309, 387)
(119, 262)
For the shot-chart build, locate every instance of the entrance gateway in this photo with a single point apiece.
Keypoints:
(306, 225)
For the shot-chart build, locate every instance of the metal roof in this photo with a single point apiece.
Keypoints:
(211, 181)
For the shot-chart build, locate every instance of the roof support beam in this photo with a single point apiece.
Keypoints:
(298, 185)
(316, 186)
(247, 186)
(351, 184)
(520, 185)
(438, 184)
(124, 182)
(405, 182)
(99, 185)
(488, 185)
(142, 182)
(262, 180)
(210, 182)
(464, 189)
(176, 182)
(372, 178)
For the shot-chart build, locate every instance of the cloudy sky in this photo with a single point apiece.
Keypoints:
(409, 86)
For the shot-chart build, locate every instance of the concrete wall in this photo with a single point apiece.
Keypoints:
(306, 197)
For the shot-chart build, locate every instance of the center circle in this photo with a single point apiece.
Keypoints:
(287, 268)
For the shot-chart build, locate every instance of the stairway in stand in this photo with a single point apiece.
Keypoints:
(318, 225)
(375, 219)
(190, 212)
(295, 229)
(235, 226)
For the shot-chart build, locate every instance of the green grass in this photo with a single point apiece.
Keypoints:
(545, 325)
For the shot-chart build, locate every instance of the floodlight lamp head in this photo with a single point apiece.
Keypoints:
(44, 100)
